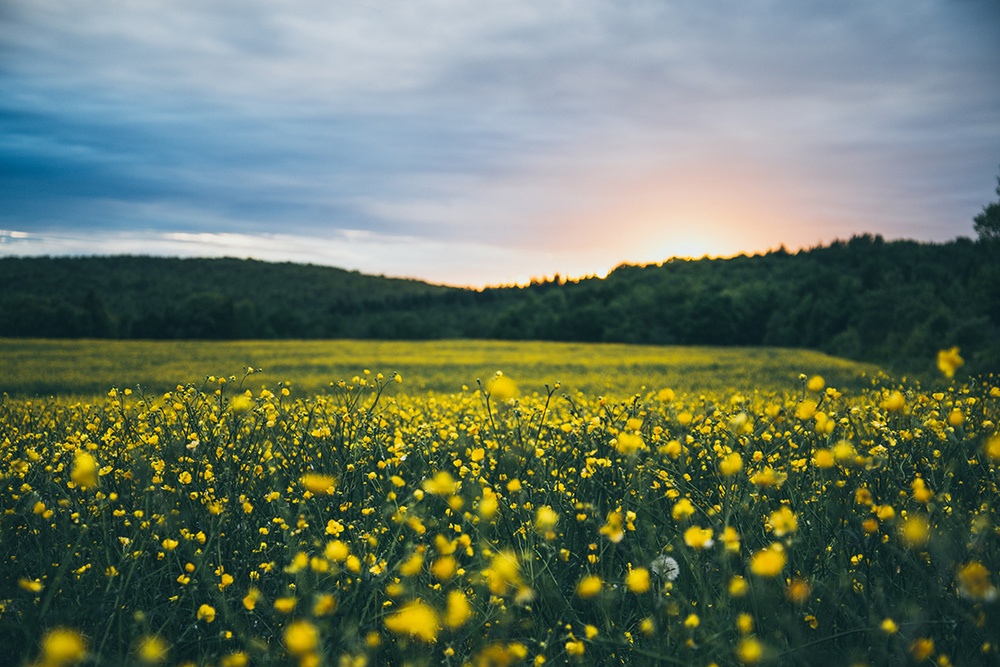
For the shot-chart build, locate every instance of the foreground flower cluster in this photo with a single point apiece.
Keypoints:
(213, 525)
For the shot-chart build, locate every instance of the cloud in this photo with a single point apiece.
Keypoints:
(534, 130)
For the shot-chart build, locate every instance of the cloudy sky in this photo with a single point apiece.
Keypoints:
(475, 142)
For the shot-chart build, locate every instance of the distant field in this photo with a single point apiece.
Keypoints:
(88, 367)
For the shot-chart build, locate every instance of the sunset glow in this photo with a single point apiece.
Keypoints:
(477, 145)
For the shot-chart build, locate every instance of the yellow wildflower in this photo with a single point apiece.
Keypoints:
(301, 637)
(415, 619)
(682, 509)
(589, 586)
(84, 472)
(441, 484)
(697, 537)
(206, 613)
(783, 521)
(816, 383)
(915, 531)
(974, 582)
(62, 646)
(749, 651)
(151, 650)
(948, 361)
(317, 484)
(921, 648)
(501, 388)
(768, 562)
(458, 609)
(731, 464)
(894, 402)
(637, 580)
(613, 528)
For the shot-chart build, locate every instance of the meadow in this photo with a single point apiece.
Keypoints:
(492, 504)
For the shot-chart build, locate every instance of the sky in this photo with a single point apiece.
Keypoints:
(478, 142)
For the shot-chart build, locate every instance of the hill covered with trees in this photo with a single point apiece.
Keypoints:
(893, 302)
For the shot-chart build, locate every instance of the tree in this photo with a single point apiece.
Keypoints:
(987, 223)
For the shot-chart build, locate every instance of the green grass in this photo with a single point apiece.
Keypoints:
(90, 367)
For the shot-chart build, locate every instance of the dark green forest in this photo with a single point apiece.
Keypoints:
(891, 302)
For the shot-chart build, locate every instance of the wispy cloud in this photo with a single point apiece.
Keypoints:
(558, 137)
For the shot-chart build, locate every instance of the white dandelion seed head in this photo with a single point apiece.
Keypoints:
(666, 567)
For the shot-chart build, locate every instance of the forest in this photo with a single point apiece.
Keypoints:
(866, 298)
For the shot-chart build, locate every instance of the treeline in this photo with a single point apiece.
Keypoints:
(894, 302)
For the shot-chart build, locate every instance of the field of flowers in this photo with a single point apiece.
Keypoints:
(222, 523)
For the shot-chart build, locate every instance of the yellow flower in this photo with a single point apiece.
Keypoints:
(575, 648)
(682, 509)
(336, 551)
(744, 623)
(31, 585)
(458, 610)
(697, 537)
(444, 568)
(412, 565)
(613, 528)
(974, 582)
(894, 402)
(240, 659)
(503, 573)
(628, 443)
(590, 631)
(489, 504)
(416, 619)
(501, 388)
(783, 521)
(992, 449)
(921, 493)
(285, 605)
(921, 648)
(241, 404)
(948, 361)
(844, 452)
(301, 637)
(84, 472)
(317, 484)
(589, 586)
(749, 651)
(546, 519)
(637, 580)
(915, 531)
(250, 599)
(731, 539)
(768, 476)
(823, 458)
(441, 484)
(325, 604)
(806, 409)
(768, 562)
(889, 626)
(737, 586)
(62, 646)
(692, 621)
(151, 650)
(798, 591)
(206, 613)
(816, 383)
(731, 464)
